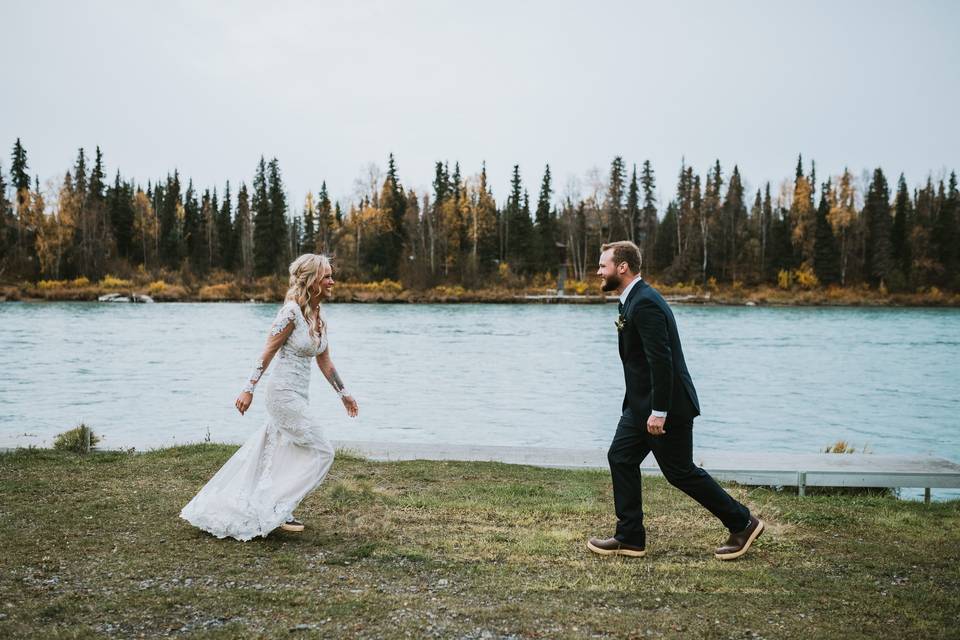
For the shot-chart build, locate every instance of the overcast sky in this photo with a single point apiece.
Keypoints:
(329, 87)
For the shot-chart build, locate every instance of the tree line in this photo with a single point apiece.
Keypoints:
(843, 231)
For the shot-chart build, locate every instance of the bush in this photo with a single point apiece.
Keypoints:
(156, 287)
(109, 282)
(225, 291)
(75, 439)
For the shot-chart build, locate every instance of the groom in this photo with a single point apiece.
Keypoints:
(658, 411)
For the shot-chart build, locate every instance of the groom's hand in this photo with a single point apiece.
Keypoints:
(655, 426)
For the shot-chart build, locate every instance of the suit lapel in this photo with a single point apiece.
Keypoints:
(631, 297)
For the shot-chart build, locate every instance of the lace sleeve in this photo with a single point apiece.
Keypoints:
(281, 329)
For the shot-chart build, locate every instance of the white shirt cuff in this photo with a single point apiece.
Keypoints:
(659, 414)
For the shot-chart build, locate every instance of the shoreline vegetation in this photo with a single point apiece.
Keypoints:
(827, 240)
(225, 287)
(93, 547)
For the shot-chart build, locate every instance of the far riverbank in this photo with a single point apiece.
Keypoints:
(273, 289)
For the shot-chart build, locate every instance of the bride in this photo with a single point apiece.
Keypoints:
(258, 488)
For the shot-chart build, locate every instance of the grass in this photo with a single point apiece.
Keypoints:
(92, 547)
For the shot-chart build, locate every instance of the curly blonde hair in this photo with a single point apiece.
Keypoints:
(304, 272)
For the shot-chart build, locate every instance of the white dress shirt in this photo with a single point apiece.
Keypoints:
(623, 300)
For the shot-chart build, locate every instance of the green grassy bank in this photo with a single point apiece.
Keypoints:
(92, 546)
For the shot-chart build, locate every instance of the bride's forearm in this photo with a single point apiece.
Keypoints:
(334, 379)
(330, 373)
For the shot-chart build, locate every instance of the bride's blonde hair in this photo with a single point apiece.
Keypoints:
(304, 272)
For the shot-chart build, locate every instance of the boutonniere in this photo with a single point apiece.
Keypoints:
(621, 322)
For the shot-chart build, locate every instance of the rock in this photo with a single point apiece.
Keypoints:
(134, 297)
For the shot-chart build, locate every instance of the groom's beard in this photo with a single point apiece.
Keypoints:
(610, 284)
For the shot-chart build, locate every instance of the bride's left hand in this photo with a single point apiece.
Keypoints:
(351, 406)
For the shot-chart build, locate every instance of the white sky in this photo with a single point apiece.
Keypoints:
(328, 87)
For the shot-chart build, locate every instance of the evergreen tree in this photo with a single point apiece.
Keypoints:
(631, 211)
(20, 178)
(171, 234)
(278, 217)
(613, 204)
(325, 222)
(647, 235)
(120, 210)
(665, 248)
(519, 226)
(826, 259)
(766, 220)
(545, 226)
(394, 204)
(878, 252)
(243, 229)
(309, 239)
(8, 229)
(902, 222)
(193, 236)
(945, 230)
(264, 234)
(225, 233)
(734, 214)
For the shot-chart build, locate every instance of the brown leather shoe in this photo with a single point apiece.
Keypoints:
(738, 543)
(613, 547)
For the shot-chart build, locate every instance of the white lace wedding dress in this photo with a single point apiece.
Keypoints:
(284, 460)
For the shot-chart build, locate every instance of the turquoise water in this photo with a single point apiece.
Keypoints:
(769, 379)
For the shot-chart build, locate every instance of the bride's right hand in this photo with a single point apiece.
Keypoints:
(244, 400)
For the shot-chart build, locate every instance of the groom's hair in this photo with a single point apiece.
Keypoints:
(625, 251)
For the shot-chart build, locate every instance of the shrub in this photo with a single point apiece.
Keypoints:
(156, 287)
(806, 278)
(110, 282)
(44, 285)
(784, 279)
(75, 439)
(225, 291)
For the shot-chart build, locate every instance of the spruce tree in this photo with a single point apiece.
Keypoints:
(519, 226)
(278, 218)
(631, 211)
(193, 240)
(665, 247)
(945, 231)
(648, 216)
(171, 227)
(21, 189)
(613, 204)
(7, 225)
(826, 257)
(545, 226)
(878, 254)
(243, 234)
(20, 177)
(119, 201)
(225, 232)
(766, 220)
(264, 234)
(734, 214)
(325, 222)
(902, 224)
(396, 209)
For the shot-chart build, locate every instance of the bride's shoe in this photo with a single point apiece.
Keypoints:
(293, 525)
